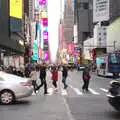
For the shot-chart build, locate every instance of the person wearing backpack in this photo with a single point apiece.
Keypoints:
(86, 79)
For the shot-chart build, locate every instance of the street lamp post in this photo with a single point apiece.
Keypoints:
(114, 45)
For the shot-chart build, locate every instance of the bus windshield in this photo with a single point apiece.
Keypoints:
(114, 58)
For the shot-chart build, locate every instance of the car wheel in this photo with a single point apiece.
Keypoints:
(7, 97)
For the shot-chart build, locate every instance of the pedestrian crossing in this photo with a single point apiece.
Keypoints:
(76, 91)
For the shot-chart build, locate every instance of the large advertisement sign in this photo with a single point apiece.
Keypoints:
(101, 10)
(16, 8)
(42, 2)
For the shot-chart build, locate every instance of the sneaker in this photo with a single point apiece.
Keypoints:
(56, 89)
(46, 93)
(37, 91)
(65, 87)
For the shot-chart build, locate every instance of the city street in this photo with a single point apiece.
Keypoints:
(70, 104)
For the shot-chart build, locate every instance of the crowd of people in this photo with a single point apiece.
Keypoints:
(54, 76)
(31, 72)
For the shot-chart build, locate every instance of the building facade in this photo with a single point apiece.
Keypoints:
(68, 21)
(84, 19)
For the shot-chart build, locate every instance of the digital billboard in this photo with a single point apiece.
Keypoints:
(44, 21)
(45, 36)
(46, 55)
(16, 8)
(42, 2)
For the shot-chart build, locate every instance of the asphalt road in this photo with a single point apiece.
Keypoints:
(70, 104)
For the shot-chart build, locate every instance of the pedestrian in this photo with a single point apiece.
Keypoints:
(86, 79)
(43, 78)
(64, 76)
(54, 72)
(33, 76)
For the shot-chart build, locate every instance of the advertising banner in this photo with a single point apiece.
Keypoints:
(100, 10)
(45, 36)
(44, 21)
(16, 8)
(46, 55)
(42, 2)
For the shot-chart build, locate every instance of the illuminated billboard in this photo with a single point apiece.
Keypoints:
(16, 8)
(44, 21)
(45, 36)
(42, 2)
(46, 55)
(43, 14)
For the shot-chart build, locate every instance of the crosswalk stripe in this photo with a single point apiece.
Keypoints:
(63, 92)
(76, 90)
(50, 91)
(33, 94)
(103, 89)
(93, 92)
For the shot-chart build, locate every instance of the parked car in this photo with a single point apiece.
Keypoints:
(114, 94)
(13, 87)
(80, 67)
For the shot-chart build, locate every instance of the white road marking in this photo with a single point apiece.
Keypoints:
(68, 109)
(50, 91)
(33, 94)
(93, 92)
(103, 89)
(64, 92)
(76, 90)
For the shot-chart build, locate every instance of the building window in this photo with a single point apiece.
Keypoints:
(99, 39)
(104, 34)
(83, 5)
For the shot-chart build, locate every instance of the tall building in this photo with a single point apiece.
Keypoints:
(68, 21)
(9, 43)
(84, 19)
(114, 9)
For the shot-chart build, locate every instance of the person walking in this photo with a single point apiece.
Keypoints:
(43, 78)
(54, 77)
(86, 79)
(64, 76)
(33, 76)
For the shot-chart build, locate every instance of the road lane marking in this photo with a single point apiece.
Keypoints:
(104, 90)
(68, 111)
(93, 92)
(50, 91)
(64, 92)
(77, 91)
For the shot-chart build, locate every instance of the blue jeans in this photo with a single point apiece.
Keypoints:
(64, 82)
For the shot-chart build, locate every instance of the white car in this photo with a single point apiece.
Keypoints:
(13, 87)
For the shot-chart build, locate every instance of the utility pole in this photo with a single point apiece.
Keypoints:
(114, 45)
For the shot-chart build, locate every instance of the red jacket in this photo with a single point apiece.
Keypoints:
(55, 75)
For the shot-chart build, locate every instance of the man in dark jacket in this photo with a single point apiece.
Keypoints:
(43, 78)
(64, 76)
(86, 78)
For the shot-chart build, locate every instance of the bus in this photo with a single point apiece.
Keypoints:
(109, 65)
